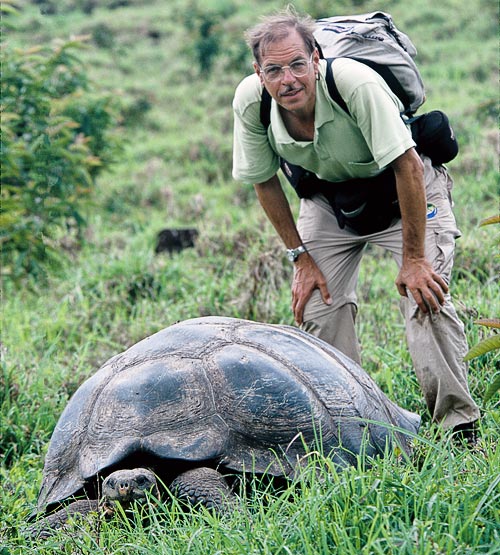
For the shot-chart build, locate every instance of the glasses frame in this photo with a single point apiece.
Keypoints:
(283, 68)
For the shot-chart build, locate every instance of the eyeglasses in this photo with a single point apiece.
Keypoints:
(298, 68)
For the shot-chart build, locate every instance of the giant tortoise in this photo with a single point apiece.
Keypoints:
(209, 397)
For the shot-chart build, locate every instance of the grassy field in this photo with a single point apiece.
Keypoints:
(175, 170)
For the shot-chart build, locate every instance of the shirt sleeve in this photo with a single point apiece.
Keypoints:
(377, 112)
(254, 161)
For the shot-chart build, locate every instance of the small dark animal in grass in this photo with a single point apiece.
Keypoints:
(208, 398)
(175, 240)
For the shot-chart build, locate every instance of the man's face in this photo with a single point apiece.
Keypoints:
(291, 92)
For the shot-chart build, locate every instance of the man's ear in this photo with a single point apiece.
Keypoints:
(257, 70)
(316, 57)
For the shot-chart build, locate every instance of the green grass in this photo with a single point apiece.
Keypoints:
(445, 504)
(112, 290)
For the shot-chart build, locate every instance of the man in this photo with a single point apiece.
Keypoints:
(309, 129)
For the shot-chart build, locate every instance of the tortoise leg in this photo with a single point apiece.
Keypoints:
(204, 486)
(47, 526)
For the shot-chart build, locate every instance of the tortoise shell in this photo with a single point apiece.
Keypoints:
(235, 394)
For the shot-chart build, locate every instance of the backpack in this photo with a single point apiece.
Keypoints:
(374, 40)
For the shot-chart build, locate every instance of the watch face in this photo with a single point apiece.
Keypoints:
(293, 254)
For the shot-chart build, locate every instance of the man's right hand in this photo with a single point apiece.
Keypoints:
(307, 277)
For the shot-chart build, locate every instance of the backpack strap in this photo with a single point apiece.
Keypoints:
(332, 86)
(265, 108)
(381, 69)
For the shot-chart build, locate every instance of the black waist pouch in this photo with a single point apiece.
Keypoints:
(434, 137)
(363, 206)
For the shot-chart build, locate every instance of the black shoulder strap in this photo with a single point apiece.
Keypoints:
(332, 86)
(265, 108)
(384, 72)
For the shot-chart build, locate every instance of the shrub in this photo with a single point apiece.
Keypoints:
(204, 26)
(491, 343)
(55, 140)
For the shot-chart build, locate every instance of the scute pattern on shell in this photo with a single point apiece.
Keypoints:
(231, 391)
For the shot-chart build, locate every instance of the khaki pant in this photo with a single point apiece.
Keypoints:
(436, 342)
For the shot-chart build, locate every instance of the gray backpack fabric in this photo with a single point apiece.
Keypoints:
(373, 38)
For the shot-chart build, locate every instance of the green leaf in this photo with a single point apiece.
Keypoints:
(488, 322)
(492, 389)
(490, 220)
(5, 9)
(483, 347)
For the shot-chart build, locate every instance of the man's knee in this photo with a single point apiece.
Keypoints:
(337, 328)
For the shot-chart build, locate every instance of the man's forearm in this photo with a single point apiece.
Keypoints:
(408, 169)
(277, 208)
(307, 275)
(416, 275)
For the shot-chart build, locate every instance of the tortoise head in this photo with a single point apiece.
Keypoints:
(128, 485)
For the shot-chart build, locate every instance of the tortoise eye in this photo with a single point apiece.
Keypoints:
(141, 480)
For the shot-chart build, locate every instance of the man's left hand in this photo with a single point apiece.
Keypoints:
(428, 288)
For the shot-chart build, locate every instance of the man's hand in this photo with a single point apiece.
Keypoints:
(416, 275)
(307, 277)
(426, 286)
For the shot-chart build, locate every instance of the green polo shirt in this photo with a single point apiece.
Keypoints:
(345, 146)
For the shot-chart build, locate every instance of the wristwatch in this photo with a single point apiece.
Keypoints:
(293, 254)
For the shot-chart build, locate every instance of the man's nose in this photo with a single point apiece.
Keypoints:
(288, 76)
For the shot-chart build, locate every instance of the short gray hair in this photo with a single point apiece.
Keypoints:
(277, 27)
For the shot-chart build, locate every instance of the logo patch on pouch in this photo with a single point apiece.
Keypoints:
(431, 211)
